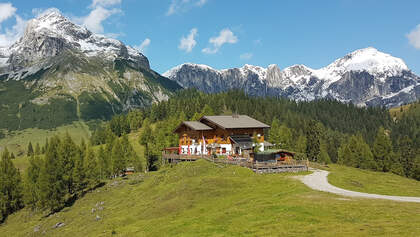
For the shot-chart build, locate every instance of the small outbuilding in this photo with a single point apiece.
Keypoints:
(274, 155)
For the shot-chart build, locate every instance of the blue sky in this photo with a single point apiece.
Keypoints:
(230, 33)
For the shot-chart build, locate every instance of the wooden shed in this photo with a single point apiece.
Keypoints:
(274, 155)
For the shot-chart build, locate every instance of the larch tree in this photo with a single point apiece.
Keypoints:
(52, 186)
(32, 195)
(11, 197)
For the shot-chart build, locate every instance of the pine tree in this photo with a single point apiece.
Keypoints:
(10, 187)
(12, 156)
(30, 151)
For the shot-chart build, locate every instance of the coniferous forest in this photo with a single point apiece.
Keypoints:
(324, 131)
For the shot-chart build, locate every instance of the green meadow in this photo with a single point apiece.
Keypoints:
(201, 199)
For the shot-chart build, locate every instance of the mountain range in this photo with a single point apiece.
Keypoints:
(365, 77)
(58, 72)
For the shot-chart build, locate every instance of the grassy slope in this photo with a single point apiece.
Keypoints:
(396, 111)
(200, 199)
(372, 182)
(18, 141)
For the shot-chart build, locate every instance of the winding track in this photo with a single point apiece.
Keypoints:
(318, 181)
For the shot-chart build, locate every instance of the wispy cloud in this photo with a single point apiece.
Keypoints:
(414, 37)
(246, 56)
(104, 3)
(180, 6)
(7, 10)
(94, 20)
(188, 43)
(226, 36)
(143, 46)
(101, 10)
(10, 35)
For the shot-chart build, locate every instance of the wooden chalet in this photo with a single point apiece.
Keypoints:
(221, 135)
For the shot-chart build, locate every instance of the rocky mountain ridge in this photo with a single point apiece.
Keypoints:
(64, 68)
(366, 77)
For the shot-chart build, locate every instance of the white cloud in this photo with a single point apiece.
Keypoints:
(94, 20)
(10, 35)
(178, 6)
(226, 36)
(143, 46)
(104, 3)
(246, 56)
(6, 11)
(188, 43)
(414, 37)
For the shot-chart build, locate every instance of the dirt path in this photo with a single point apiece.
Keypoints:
(318, 181)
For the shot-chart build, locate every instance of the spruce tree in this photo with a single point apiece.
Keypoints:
(313, 146)
(408, 155)
(382, 150)
(11, 197)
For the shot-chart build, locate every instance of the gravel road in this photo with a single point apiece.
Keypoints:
(318, 181)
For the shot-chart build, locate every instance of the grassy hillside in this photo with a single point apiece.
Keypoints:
(397, 112)
(200, 199)
(372, 182)
(17, 141)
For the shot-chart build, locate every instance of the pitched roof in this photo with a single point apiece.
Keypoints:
(194, 125)
(235, 121)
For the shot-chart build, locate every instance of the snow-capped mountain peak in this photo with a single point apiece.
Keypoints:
(376, 63)
(364, 77)
(51, 33)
